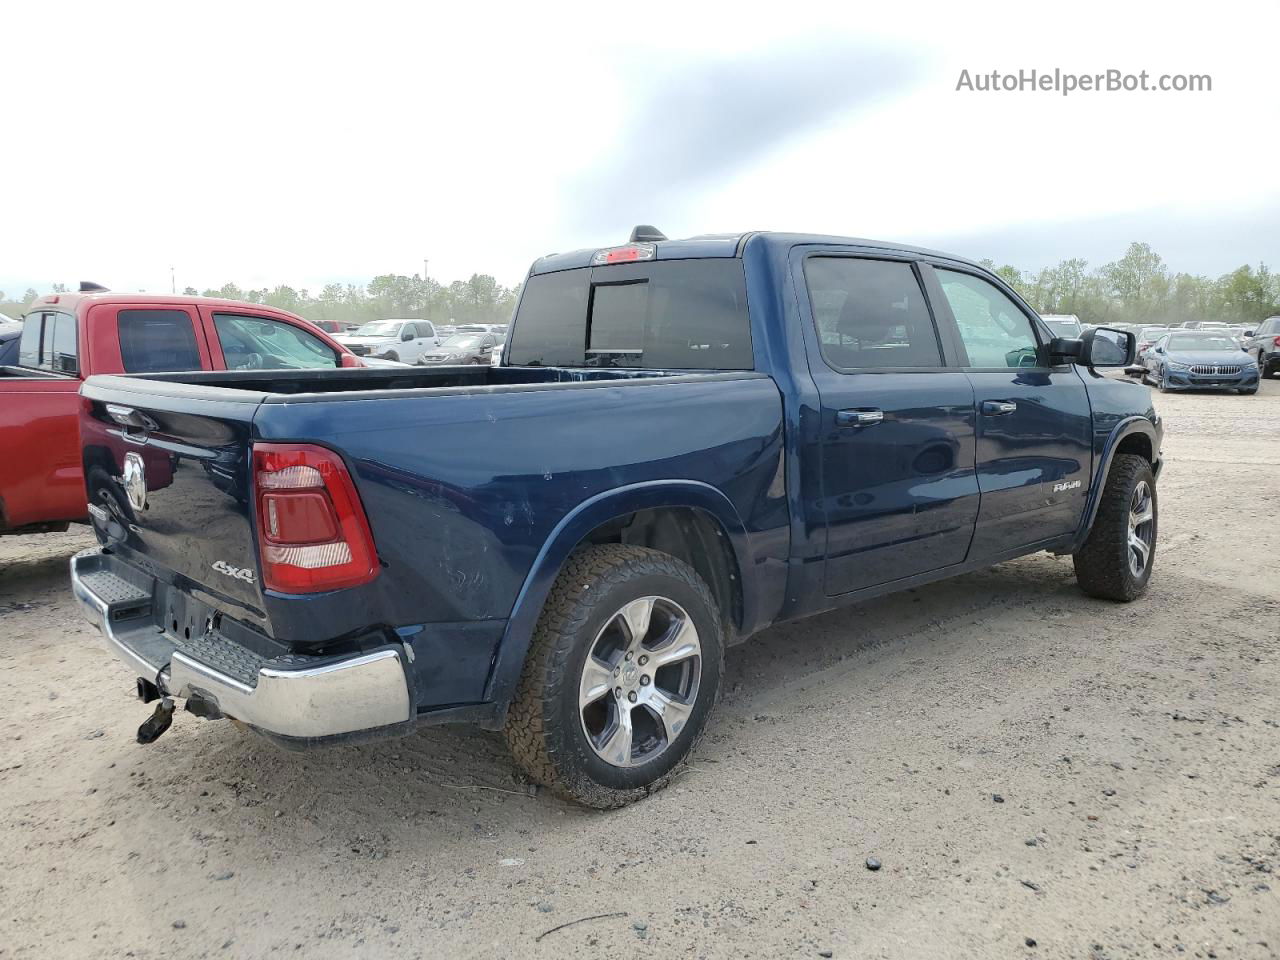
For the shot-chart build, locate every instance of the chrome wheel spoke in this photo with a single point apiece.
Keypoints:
(597, 681)
(636, 616)
(1140, 551)
(682, 645)
(673, 714)
(1141, 515)
(616, 748)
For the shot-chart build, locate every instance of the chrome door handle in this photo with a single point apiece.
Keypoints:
(998, 408)
(859, 418)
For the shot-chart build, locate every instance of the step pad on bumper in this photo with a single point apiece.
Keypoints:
(114, 589)
(224, 655)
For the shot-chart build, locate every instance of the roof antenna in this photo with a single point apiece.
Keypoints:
(646, 233)
(88, 286)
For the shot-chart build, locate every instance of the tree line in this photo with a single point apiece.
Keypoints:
(480, 299)
(1137, 288)
(1140, 288)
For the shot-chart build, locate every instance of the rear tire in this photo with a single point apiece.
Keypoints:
(1113, 564)
(567, 726)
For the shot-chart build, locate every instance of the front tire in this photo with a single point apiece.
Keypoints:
(1116, 560)
(621, 677)
(391, 355)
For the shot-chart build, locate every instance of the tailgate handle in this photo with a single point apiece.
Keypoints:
(129, 417)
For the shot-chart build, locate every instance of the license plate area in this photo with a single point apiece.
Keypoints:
(180, 615)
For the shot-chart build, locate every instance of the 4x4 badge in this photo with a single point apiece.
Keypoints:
(239, 573)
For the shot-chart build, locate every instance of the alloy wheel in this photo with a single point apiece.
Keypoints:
(1142, 520)
(640, 681)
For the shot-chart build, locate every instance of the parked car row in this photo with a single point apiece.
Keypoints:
(1208, 355)
(422, 342)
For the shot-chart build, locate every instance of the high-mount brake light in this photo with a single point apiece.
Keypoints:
(312, 531)
(628, 254)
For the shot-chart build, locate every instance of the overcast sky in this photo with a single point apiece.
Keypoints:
(266, 143)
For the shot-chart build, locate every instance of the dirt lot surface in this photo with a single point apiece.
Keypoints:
(1041, 775)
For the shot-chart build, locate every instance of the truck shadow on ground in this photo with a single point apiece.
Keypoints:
(463, 783)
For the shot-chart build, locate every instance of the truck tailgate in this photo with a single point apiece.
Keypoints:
(168, 480)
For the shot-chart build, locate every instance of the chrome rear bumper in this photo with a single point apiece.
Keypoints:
(294, 697)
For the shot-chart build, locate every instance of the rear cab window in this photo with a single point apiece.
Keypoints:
(156, 340)
(657, 315)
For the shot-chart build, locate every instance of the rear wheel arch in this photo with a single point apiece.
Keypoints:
(689, 534)
(652, 515)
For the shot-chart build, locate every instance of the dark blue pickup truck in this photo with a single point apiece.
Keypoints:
(687, 441)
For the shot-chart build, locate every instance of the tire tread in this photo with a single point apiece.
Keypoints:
(1102, 564)
(544, 676)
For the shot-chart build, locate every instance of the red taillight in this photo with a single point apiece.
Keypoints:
(312, 531)
(1277, 342)
(350, 360)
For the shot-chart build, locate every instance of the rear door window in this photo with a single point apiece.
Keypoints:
(663, 315)
(871, 314)
(259, 343)
(157, 341)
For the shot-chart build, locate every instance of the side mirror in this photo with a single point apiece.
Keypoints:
(1159, 349)
(1251, 333)
(406, 336)
(1106, 347)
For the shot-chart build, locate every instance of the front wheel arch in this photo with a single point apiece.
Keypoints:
(1135, 435)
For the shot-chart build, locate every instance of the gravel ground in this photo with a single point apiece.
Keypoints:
(1040, 774)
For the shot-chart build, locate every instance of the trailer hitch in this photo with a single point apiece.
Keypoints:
(157, 723)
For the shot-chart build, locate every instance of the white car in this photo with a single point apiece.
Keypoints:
(1063, 325)
(403, 340)
(378, 362)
